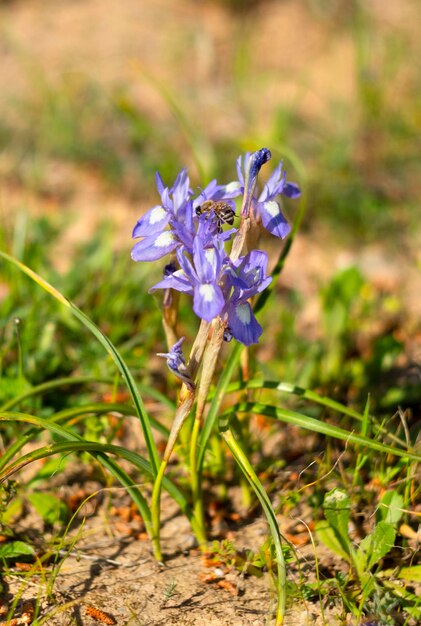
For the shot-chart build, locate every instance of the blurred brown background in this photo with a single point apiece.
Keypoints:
(99, 94)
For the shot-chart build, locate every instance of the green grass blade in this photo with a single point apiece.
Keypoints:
(109, 347)
(310, 423)
(99, 408)
(49, 385)
(124, 479)
(75, 443)
(80, 380)
(40, 422)
(312, 396)
(252, 478)
(70, 414)
(292, 389)
(100, 451)
(16, 446)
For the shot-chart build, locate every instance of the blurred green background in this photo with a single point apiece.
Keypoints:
(98, 95)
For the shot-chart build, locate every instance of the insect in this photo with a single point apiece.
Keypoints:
(224, 213)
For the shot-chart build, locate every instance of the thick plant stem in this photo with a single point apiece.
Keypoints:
(198, 347)
(196, 483)
(156, 511)
(183, 410)
(210, 359)
(186, 401)
(197, 527)
(188, 393)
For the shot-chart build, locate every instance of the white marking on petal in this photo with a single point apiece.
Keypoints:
(210, 255)
(242, 311)
(255, 274)
(207, 292)
(234, 186)
(164, 239)
(157, 215)
(272, 208)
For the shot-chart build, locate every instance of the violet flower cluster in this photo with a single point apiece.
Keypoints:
(200, 263)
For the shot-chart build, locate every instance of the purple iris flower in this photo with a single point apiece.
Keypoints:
(200, 277)
(220, 287)
(178, 212)
(175, 207)
(264, 204)
(247, 277)
(177, 363)
(190, 228)
(175, 357)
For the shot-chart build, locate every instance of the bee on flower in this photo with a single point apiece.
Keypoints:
(191, 230)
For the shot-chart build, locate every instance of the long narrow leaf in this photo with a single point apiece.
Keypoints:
(48, 386)
(307, 394)
(310, 423)
(69, 414)
(255, 483)
(75, 443)
(289, 388)
(100, 451)
(109, 347)
(62, 431)
(79, 380)
(99, 408)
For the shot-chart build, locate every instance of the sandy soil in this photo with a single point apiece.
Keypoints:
(106, 563)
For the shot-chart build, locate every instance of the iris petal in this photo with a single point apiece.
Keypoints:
(155, 247)
(154, 221)
(291, 190)
(208, 301)
(178, 281)
(273, 219)
(243, 324)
